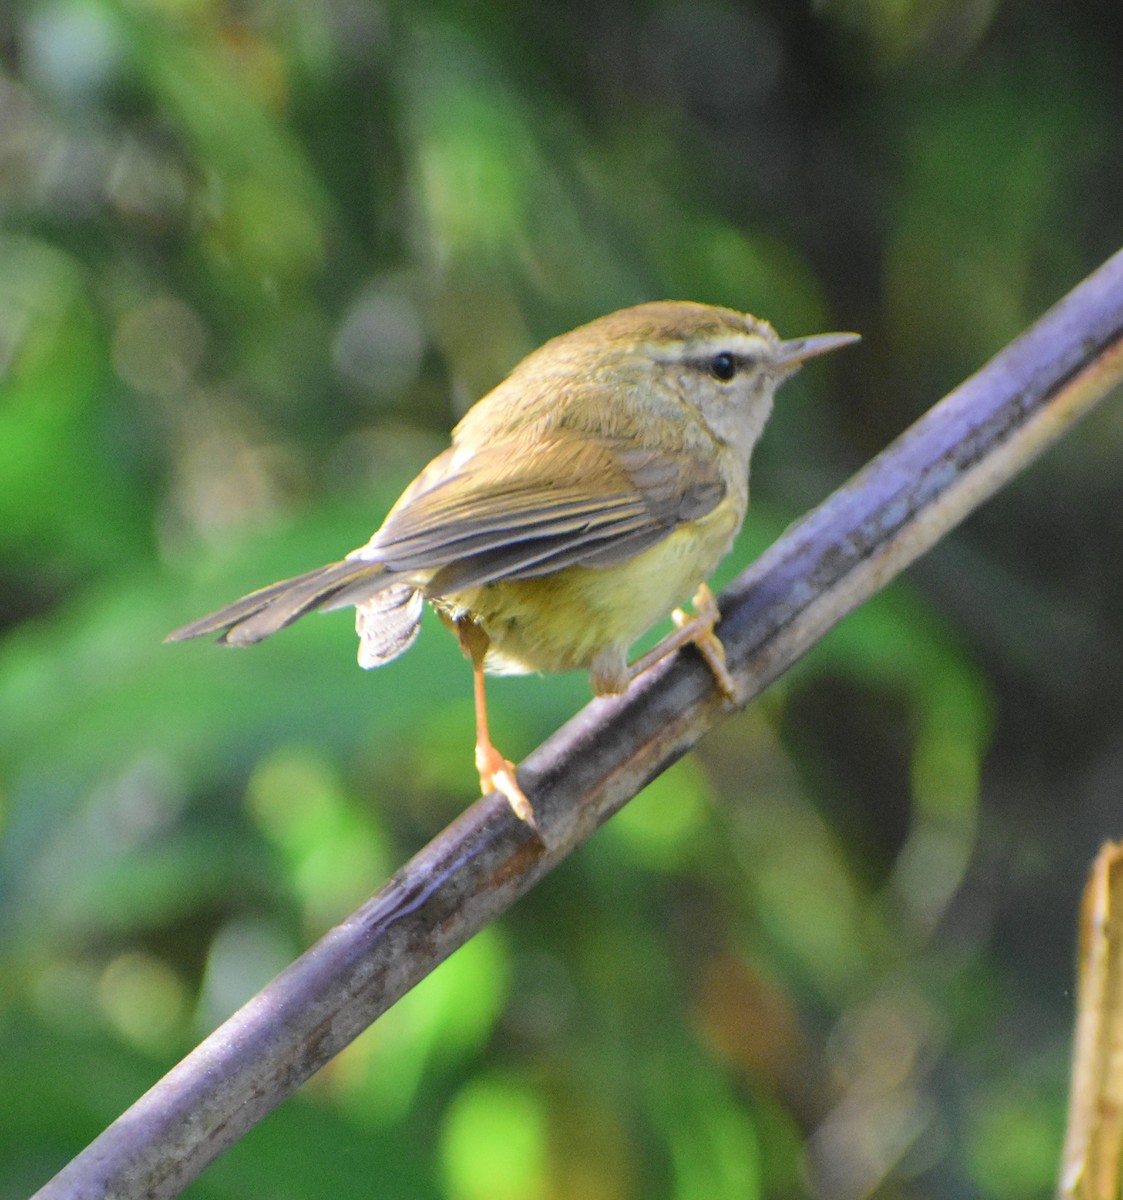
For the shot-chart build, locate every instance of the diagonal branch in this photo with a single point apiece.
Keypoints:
(942, 468)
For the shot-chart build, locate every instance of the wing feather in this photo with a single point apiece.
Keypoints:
(516, 510)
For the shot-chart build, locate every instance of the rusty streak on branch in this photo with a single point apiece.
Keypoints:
(947, 464)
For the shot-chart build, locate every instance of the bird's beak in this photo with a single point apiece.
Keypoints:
(792, 353)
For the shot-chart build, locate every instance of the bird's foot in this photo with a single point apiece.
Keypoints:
(497, 774)
(698, 630)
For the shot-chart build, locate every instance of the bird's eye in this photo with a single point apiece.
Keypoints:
(723, 366)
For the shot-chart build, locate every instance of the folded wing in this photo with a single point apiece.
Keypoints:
(514, 512)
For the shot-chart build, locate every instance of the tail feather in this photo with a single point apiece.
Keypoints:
(387, 624)
(269, 609)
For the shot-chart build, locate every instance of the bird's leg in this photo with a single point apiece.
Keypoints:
(698, 629)
(497, 774)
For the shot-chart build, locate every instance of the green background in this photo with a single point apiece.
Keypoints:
(255, 259)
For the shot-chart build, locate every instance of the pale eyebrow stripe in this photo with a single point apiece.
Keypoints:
(745, 347)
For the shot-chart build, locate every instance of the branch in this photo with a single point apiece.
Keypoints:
(942, 468)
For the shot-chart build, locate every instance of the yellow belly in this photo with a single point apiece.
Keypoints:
(561, 622)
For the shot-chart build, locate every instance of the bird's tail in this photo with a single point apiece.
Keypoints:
(261, 613)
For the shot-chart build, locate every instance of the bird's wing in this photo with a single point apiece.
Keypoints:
(515, 510)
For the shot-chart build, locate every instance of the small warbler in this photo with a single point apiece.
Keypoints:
(581, 501)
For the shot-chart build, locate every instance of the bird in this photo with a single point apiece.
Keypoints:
(581, 501)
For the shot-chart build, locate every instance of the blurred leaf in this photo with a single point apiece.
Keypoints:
(983, 190)
(494, 1142)
(65, 506)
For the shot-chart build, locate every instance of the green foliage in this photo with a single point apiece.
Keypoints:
(254, 262)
